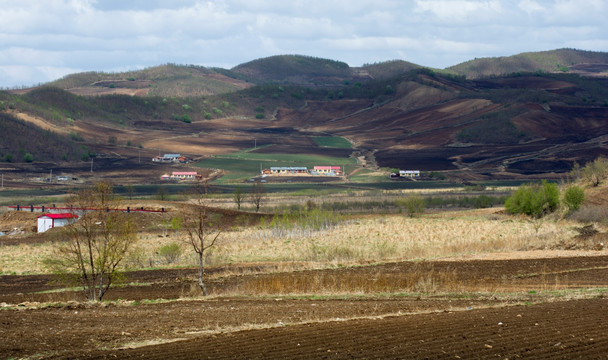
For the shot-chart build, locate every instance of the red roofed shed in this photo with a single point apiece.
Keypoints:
(48, 221)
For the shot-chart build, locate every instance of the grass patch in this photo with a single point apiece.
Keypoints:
(337, 142)
(244, 163)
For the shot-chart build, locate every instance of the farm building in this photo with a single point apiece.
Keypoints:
(288, 170)
(170, 158)
(48, 221)
(181, 176)
(409, 173)
(327, 170)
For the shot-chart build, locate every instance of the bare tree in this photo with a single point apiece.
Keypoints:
(97, 242)
(238, 197)
(197, 226)
(257, 195)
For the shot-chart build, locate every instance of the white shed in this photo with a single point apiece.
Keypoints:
(48, 221)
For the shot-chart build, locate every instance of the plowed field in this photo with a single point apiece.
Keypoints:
(563, 330)
(513, 308)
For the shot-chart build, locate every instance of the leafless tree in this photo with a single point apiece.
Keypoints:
(197, 227)
(97, 242)
(257, 195)
(238, 197)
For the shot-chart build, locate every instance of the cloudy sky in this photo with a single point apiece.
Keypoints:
(42, 40)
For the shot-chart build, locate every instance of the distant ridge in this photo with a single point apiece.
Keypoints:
(171, 80)
(589, 63)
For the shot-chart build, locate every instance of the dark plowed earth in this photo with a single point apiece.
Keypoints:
(564, 330)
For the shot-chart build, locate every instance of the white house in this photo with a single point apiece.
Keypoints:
(409, 173)
(48, 221)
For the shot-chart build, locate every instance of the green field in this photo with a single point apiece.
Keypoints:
(333, 142)
(245, 163)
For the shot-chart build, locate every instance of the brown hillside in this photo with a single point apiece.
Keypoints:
(503, 127)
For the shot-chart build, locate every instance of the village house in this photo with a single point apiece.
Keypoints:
(170, 158)
(288, 170)
(327, 170)
(181, 176)
(49, 221)
(409, 173)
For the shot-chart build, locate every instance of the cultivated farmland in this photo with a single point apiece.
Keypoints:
(469, 284)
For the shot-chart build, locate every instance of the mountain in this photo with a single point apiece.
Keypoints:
(396, 114)
(588, 63)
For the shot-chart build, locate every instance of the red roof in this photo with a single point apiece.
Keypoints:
(59, 216)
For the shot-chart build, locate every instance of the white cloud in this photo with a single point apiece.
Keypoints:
(530, 6)
(460, 10)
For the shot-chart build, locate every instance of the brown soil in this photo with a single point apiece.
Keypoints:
(442, 326)
(575, 329)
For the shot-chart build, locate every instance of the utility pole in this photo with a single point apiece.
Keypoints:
(51, 176)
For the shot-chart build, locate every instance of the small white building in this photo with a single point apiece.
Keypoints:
(48, 221)
(409, 173)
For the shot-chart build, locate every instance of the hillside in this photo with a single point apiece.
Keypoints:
(164, 80)
(520, 125)
(387, 69)
(588, 63)
(24, 142)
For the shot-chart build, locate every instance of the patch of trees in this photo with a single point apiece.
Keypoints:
(495, 128)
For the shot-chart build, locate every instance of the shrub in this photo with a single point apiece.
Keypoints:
(574, 197)
(595, 171)
(413, 205)
(591, 213)
(28, 157)
(170, 252)
(535, 200)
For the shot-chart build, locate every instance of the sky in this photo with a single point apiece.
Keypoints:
(43, 40)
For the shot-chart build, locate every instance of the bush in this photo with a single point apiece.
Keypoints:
(535, 200)
(171, 252)
(574, 197)
(413, 205)
(591, 213)
(595, 171)
(28, 158)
